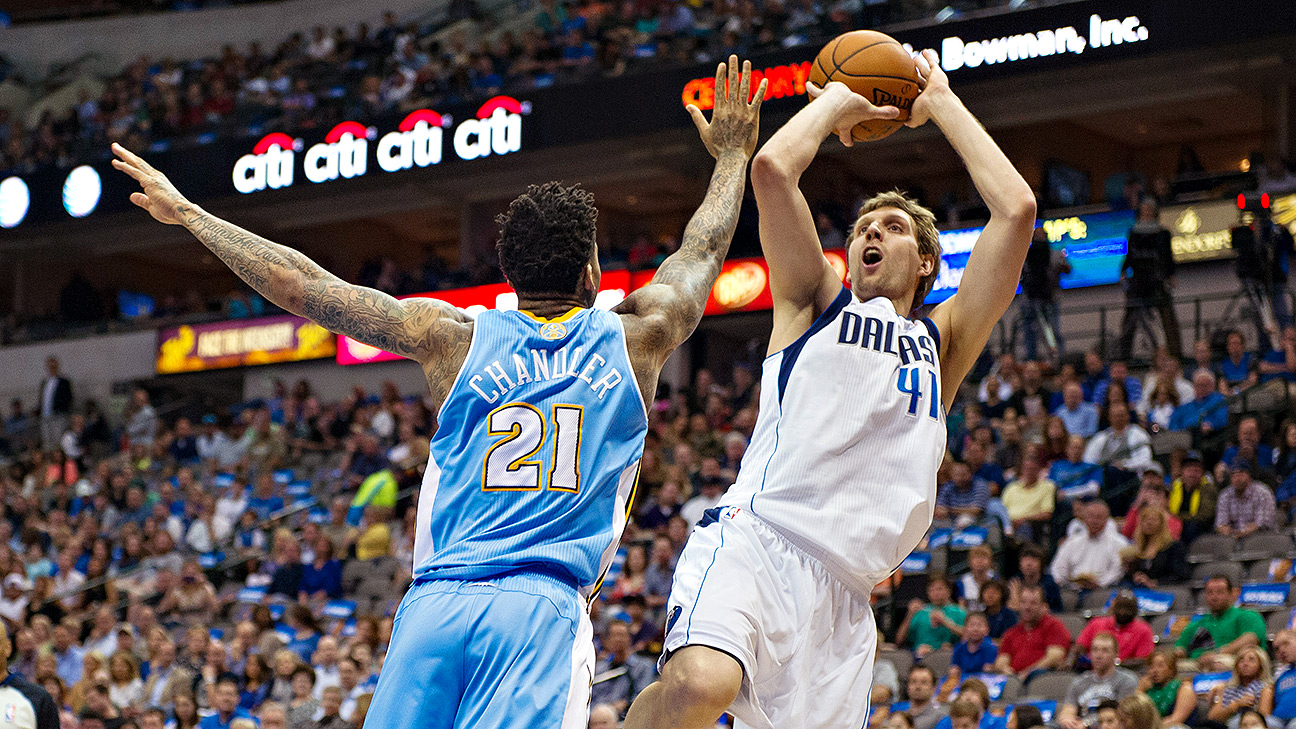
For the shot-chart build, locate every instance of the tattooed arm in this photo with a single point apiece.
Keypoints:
(660, 316)
(413, 328)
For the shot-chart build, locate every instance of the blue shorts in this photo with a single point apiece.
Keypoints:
(508, 652)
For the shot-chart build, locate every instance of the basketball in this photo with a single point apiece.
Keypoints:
(875, 66)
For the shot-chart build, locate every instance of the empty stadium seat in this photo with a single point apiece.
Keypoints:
(1202, 572)
(902, 660)
(1074, 622)
(1211, 548)
(1264, 546)
(1096, 600)
(1278, 621)
(1011, 690)
(1052, 685)
(938, 661)
(1258, 572)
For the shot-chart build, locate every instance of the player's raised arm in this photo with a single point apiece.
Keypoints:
(801, 281)
(291, 280)
(661, 315)
(989, 283)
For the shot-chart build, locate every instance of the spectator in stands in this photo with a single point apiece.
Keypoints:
(1091, 558)
(185, 713)
(304, 705)
(1029, 500)
(271, 716)
(1030, 565)
(1245, 507)
(976, 653)
(1250, 687)
(1025, 716)
(224, 700)
(969, 584)
(1118, 373)
(331, 703)
(1122, 445)
(1032, 400)
(1237, 369)
(620, 690)
(1134, 639)
(975, 691)
(1037, 643)
(141, 419)
(1216, 638)
(1079, 414)
(1277, 367)
(1168, 371)
(660, 573)
(604, 716)
(975, 454)
(962, 499)
(55, 404)
(1249, 445)
(997, 614)
(1284, 709)
(713, 487)
(1137, 712)
(1173, 697)
(1156, 557)
(924, 709)
(1075, 478)
(1105, 681)
(933, 625)
(1206, 412)
(1152, 492)
(665, 504)
(1193, 497)
(965, 714)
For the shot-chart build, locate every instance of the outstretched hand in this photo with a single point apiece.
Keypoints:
(932, 81)
(735, 121)
(853, 110)
(159, 196)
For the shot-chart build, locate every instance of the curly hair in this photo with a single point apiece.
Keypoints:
(547, 238)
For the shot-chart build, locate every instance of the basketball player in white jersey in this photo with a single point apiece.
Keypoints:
(769, 615)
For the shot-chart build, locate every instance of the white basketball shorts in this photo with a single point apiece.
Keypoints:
(806, 643)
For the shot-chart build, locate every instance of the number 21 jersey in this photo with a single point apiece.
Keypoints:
(536, 454)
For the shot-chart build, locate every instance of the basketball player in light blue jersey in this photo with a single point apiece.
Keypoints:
(769, 614)
(541, 423)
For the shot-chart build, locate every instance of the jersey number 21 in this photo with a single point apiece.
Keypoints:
(510, 463)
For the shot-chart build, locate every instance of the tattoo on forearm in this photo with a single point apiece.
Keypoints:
(692, 270)
(296, 283)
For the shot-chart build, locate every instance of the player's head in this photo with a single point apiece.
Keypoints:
(547, 245)
(894, 249)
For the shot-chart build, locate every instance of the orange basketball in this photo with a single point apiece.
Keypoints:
(874, 66)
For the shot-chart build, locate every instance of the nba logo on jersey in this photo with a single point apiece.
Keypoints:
(11, 713)
(553, 330)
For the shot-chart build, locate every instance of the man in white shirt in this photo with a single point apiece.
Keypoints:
(713, 487)
(326, 665)
(1123, 445)
(1090, 559)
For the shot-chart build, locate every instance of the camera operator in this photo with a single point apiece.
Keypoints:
(1263, 250)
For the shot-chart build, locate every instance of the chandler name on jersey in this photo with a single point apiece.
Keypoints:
(536, 452)
(851, 432)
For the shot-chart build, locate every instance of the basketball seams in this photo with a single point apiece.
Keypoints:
(857, 51)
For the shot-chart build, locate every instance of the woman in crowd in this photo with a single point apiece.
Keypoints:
(193, 600)
(305, 631)
(1164, 400)
(92, 664)
(1173, 697)
(285, 663)
(302, 707)
(322, 578)
(1138, 712)
(257, 680)
(184, 713)
(631, 579)
(1250, 687)
(125, 687)
(1155, 558)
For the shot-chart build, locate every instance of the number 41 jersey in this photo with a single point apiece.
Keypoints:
(536, 453)
(850, 434)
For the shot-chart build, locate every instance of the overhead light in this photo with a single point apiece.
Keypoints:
(81, 191)
(15, 200)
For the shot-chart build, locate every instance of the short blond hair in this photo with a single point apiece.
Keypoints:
(924, 223)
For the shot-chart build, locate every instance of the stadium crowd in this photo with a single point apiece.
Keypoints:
(159, 568)
(312, 81)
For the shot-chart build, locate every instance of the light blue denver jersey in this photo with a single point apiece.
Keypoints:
(536, 453)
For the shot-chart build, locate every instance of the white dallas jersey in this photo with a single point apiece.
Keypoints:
(851, 432)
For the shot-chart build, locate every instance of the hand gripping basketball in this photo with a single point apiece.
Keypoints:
(855, 109)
